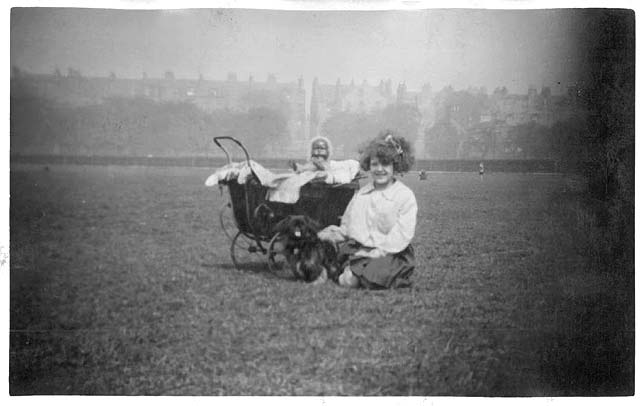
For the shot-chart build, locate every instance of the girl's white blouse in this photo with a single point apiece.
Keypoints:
(385, 219)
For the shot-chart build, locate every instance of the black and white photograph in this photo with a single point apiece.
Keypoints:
(321, 199)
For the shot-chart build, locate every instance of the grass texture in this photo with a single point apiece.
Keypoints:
(122, 284)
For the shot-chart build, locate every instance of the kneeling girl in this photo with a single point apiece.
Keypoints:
(379, 223)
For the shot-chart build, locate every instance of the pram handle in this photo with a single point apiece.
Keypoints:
(246, 192)
(246, 153)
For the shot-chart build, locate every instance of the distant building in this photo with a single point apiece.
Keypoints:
(542, 108)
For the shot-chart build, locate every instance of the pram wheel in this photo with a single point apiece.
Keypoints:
(276, 259)
(246, 254)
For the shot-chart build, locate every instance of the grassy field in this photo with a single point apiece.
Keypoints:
(122, 283)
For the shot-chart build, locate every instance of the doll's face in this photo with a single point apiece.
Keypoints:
(381, 173)
(320, 150)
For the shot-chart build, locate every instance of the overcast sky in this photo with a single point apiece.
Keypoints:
(513, 48)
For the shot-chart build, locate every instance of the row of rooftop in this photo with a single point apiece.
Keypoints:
(384, 86)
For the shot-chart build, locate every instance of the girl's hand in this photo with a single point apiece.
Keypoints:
(332, 234)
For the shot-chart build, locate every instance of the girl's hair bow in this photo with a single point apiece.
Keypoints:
(389, 140)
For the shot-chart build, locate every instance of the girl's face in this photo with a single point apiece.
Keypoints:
(381, 174)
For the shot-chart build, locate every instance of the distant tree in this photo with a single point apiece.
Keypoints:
(350, 129)
(400, 93)
(259, 127)
(463, 107)
(37, 125)
(442, 140)
(458, 131)
(387, 88)
(403, 119)
(500, 91)
(73, 73)
(256, 98)
(530, 141)
(482, 140)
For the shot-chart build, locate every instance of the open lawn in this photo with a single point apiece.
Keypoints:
(122, 283)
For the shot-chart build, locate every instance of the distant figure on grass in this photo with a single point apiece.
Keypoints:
(379, 223)
(327, 169)
(422, 175)
(481, 171)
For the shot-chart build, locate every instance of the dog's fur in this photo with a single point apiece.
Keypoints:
(306, 254)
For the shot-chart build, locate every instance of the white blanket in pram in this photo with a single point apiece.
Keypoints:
(284, 187)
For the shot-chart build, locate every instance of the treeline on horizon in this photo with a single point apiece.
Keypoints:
(133, 127)
(140, 127)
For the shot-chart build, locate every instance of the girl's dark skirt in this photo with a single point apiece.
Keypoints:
(390, 271)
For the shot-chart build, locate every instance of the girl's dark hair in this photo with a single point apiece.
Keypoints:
(389, 149)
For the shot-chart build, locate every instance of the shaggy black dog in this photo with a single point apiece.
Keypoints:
(306, 254)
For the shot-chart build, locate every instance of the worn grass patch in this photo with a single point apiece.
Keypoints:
(122, 283)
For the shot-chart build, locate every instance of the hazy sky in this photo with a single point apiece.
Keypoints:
(514, 48)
